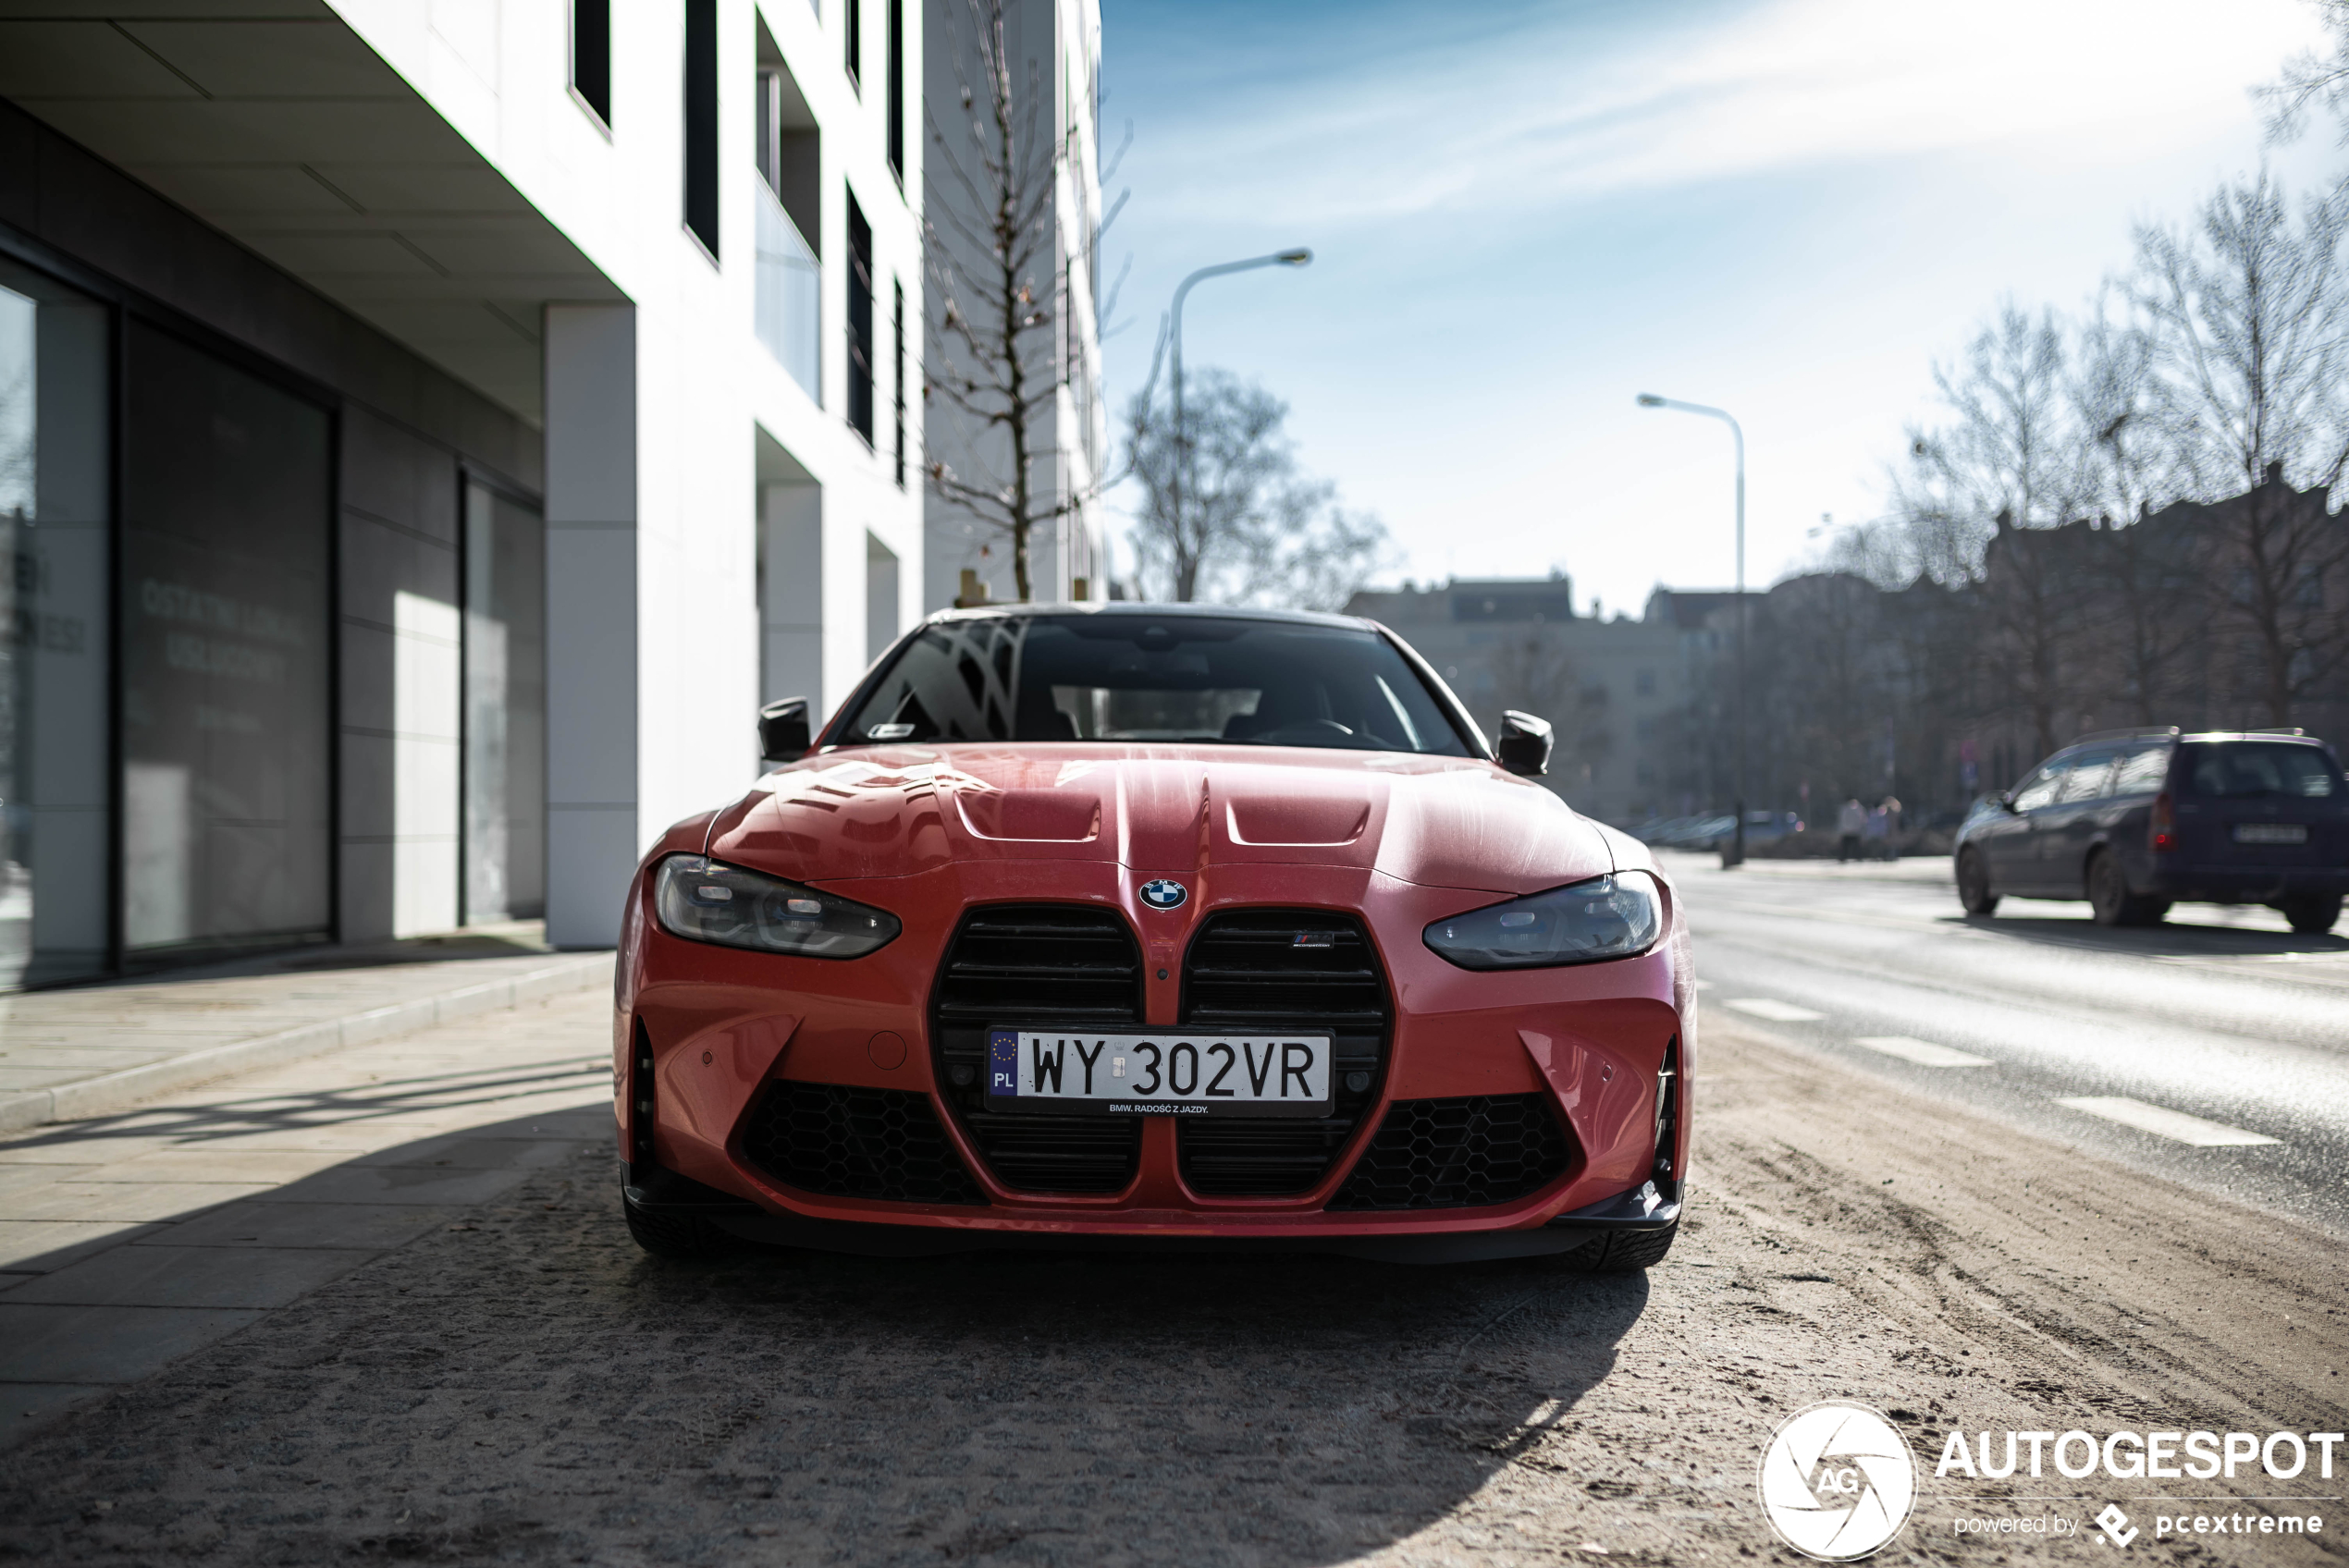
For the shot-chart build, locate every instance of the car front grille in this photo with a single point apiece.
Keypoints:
(845, 1142)
(1253, 972)
(1465, 1152)
(1053, 965)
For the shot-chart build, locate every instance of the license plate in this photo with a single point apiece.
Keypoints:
(1159, 1074)
(2271, 833)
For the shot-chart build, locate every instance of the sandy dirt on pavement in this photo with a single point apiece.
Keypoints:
(526, 1387)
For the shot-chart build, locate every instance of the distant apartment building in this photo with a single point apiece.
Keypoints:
(427, 432)
(1053, 48)
(1618, 691)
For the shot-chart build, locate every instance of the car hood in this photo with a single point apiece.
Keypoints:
(1451, 822)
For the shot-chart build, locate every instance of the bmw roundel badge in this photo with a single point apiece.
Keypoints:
(1164, 894)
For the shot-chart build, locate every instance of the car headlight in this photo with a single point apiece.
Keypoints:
(1612, 916)
(706, 900)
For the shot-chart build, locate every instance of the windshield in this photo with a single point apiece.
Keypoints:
(2223, 768)
(1133, 678)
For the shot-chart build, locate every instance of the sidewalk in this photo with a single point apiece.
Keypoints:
(128, 1241)
(91, 1050)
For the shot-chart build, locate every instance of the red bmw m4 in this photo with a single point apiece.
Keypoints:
(1124, 925)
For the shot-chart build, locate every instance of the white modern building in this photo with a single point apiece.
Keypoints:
(1053, 48)
(428, 430)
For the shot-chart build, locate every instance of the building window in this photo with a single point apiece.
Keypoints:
(591, 56)
(860, 321)
(853, 18)
(55, 518)
(505, 719)
(897, 91)
(701, 122)
(897, 377)
(228, 487)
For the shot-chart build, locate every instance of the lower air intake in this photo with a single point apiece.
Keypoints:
(1466, 1153)
(843, 1141)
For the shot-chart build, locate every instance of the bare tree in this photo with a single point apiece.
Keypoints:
(1250, 528)
(2249, 312)
(2312, 79)
(995, 259)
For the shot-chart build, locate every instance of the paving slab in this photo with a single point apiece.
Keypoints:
(43, 1245)
(91, 1051)
(185, 1276)
(106, 1344)
(260, 1223)
(127, 1200)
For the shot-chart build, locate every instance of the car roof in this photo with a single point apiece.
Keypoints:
(2113, 737)
(1158, 612)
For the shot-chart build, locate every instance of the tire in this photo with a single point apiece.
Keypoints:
(2312, 916)
(2110, 897)
(674, 1237)
(1974, 884)
(1624, 1252)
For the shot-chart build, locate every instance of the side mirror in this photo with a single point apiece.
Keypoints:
(1524, 747)
(782, 730)
(2006, 802)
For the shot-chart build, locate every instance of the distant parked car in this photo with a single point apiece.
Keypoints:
(2136, 820)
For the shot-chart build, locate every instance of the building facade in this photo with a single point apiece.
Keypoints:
(1052, 51)
(1613, 690)
(427, 432)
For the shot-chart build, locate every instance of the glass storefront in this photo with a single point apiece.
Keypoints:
(226, 655)
(505, 750)
(53, 457)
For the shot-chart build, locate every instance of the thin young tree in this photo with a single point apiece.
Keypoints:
(997, 261)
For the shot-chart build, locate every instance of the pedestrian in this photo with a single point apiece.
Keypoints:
(1850, 823)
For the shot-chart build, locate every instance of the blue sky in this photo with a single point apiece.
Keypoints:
(1524, 214)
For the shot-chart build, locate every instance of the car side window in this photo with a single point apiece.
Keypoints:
(2142, 772)
(2090, 775)
(2042, 786)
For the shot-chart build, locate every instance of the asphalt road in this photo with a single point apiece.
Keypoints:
(2221, 1014)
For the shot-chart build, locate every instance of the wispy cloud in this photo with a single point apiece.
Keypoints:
(1573, 104)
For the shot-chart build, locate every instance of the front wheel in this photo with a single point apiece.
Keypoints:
(1974, 884)
(2312, 916)
(679, 1237)
(1624, 1252)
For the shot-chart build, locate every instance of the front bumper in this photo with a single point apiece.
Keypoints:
(721, 1029)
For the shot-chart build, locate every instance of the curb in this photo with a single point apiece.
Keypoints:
(112, 1092)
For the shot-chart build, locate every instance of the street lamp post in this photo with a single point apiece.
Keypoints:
(1296, 256)
(1650, 400)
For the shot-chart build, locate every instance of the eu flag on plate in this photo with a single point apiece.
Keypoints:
(1002, 1061)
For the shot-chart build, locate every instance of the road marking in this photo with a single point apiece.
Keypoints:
(2174, 1124)
(1924, 1053)
(1775, 1011)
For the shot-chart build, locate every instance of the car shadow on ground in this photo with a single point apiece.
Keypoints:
(2181, 936)
(518, 1382)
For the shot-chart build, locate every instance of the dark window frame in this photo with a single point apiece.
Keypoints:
(896, 94)
(852, 25)
(860, 323)
(897, 379)
(700, 107)
(591, 60)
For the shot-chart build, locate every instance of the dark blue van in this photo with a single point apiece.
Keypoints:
(2134, 821)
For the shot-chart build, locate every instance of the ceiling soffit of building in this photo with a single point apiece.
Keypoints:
(280, 127)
